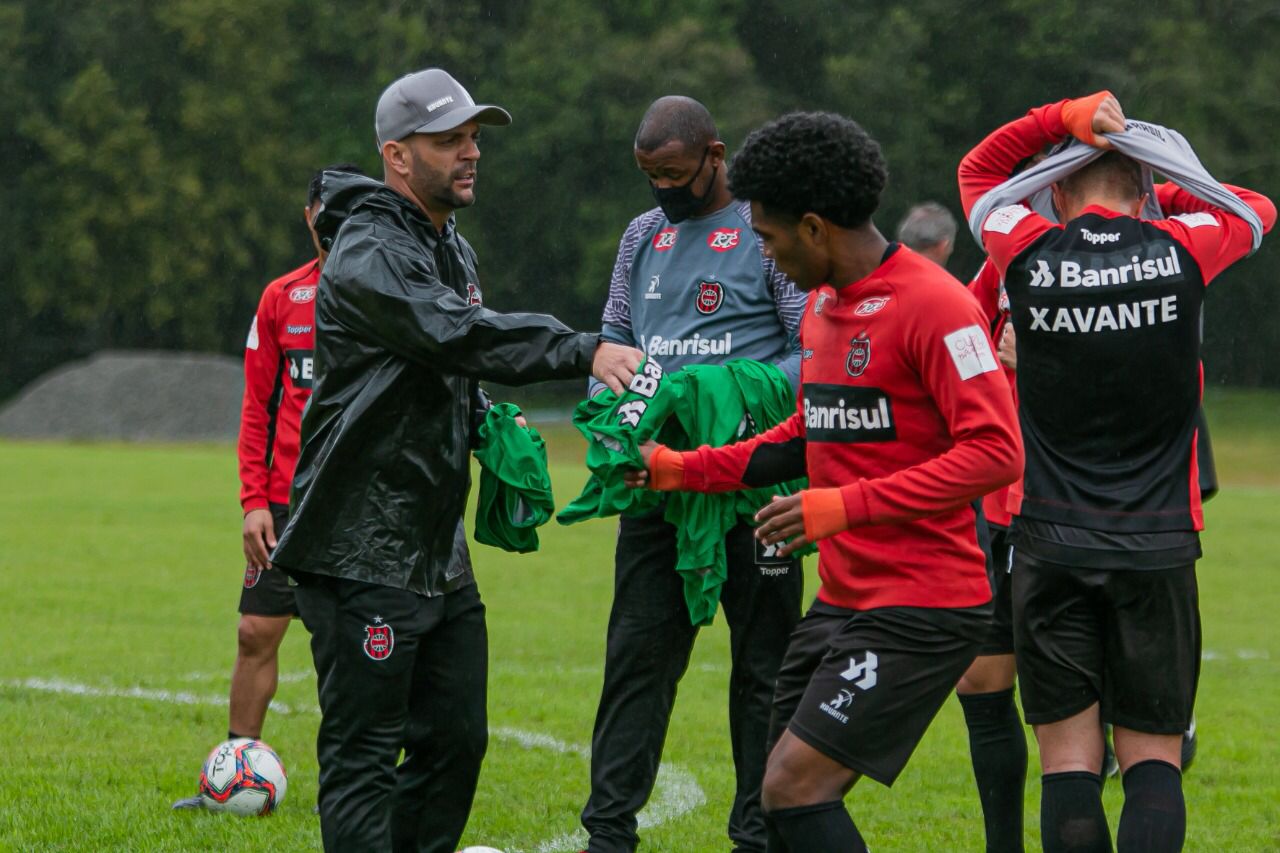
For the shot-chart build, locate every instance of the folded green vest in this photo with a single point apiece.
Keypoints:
(515, 487)
(701, 404)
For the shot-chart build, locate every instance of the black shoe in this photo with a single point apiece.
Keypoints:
(187, 803)
(1189, 745)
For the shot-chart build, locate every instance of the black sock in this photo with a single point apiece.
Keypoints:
(1154, 818)
(1071, 815)
(998, 749)
(233, 736)
(818, 828)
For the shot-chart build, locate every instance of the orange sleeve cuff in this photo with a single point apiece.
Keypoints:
(666, 470)
(824, 513)
(1077, 115)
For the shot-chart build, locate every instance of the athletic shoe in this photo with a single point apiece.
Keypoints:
(1189, 745)
(186, 803)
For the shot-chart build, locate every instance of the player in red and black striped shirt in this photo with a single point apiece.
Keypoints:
(904, 420)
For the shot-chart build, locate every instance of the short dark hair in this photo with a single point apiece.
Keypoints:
(313, 188)
(676, 117)
(1113, 173)
(819, 163)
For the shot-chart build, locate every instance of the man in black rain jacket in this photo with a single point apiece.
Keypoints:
(375, 539)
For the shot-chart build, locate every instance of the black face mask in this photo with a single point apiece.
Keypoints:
(679, 203)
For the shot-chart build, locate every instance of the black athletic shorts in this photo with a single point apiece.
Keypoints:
(1129, 640)
(999, 639)
(870, 682)
(269, 593)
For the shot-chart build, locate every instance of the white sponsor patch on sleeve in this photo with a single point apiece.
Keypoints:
(970, 351)
(1004, 218)
(252, 343)
(1195, 220)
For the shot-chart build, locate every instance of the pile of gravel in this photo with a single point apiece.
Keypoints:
(132, 396)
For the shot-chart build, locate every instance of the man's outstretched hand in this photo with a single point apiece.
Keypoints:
(615, 365)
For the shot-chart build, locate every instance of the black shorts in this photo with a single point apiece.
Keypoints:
(269, 593)
(999, 639)
(1129, 640)
(861, 687)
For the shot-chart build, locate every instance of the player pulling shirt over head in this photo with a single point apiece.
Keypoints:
(1107, 310)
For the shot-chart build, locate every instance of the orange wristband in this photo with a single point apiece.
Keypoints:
(1077, 115)
(824, 513)
(666, 470)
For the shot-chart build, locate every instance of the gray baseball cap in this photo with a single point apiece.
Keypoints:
(430, 101)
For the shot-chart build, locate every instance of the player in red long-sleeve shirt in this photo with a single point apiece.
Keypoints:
(903, 420)
(1106, 619)
(277, 384)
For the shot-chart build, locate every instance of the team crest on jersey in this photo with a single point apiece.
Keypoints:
(710, 296)
(664, 239)
(302, 295)
(867, 307)
(251, 576)
(473, 294)
(724, 239)
(379, 639)
(859, 355)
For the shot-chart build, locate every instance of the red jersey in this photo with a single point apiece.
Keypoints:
(988, 289)
(1107, 309)
(903, 407)
(277, 383)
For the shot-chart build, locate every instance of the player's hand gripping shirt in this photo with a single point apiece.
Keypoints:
(713, 404)
(905, 411)
(277, 382)
(1107, 311)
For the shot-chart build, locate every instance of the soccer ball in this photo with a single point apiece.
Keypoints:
(244, 777)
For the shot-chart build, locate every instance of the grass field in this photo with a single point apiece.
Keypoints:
(119, 576)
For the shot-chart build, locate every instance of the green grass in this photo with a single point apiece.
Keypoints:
(120, 568)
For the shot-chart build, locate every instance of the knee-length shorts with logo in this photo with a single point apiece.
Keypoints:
(861, 687)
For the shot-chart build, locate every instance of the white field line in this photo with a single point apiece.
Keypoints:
(676, 791)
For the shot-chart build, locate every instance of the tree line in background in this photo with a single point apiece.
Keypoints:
(158, 153)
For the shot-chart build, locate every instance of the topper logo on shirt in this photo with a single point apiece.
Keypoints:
(302, 295)
(710, 296)
(859, 355)
(664, 239)
(867, 307)
(473, 294)
(724, 239)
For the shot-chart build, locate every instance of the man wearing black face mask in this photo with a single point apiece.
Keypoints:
(691, 286)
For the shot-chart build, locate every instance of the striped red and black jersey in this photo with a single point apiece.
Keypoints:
(1107, 311)
(277, 382)
(903, 408)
